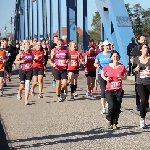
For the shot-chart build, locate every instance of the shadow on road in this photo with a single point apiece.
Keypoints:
(94, 134)
(3, 140)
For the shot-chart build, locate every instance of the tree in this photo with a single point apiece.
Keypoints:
(140, 19)
(95, 32)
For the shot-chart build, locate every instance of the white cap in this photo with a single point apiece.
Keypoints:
(106, 42)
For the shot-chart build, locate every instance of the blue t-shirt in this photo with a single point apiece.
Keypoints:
(103, 60)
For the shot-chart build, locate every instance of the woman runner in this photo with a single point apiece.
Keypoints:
(90, 70)
(73, 68)
(102, 59)
(38, 69)
(25, 59)
(143, 80)
(59, 60)
(116, 72)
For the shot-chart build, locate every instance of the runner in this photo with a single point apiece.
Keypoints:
(101, 60)
(38, 69)
(116, 72)
(73, 68)
(3, 58)
(59, 59)
(8, 63)
(45, 48)
(90, 70)
(25, 60)
(143, 80)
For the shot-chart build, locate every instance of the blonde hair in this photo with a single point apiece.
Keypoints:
(24, 43)
(71, 42)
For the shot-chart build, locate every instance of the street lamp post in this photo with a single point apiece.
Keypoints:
(11, 22)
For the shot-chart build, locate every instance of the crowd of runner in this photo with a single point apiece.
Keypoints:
(101, 63)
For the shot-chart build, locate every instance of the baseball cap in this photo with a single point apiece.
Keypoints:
(106, 42)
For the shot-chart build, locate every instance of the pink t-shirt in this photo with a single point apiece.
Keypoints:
(116, 83)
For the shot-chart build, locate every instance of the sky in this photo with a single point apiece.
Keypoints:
(8, 6)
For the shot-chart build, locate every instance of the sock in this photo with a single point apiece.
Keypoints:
(75, 87)
(62, 91)
(72, 88)
(58, 95)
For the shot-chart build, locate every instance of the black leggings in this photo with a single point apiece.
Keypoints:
(102, 86)
(114, 100)
(143, 91)
(137, 95)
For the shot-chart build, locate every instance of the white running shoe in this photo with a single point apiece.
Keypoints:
(26, 102)
(19, 97)
(59, 99)
(103, 111)
(142, 124)
(32, 93)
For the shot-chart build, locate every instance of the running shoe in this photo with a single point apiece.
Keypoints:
(72, 96)
(63, 96)
(32, 93)
(109, 125)
(87, 93)
(26, 102)
(103, 111)
(59, 99)
(54, 82)
(138, 107)
(19, 97)
(40, 96)
(142, 124)
(114, 127)
(76, 94)
(92, 96)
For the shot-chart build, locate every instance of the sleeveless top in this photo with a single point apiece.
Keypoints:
(27, 65)
(60, 59)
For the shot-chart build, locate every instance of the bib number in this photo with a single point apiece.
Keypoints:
(73, 63)
(142, 74)
(28, 66)
(61, 63)
(115, 85)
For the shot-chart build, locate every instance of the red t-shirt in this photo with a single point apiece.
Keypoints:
(75, 59)
(89, 59)
(116, 83)
(38, 63)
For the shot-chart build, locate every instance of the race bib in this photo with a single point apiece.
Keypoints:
(142, 74)
(74, 63)
(147, 73)
(62, 63)
(116, 85)
(28, 66)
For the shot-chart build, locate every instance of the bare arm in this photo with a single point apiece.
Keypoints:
(103, 75)
(51, 58)
(96, 64)
(17, 60)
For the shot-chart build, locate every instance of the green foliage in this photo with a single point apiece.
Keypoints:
(95, 32)
(140, 19)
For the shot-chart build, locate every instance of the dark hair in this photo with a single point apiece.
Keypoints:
(91, 47)
(100, 41)
(61, 40)
(114, 51)
(5, 39)
(141, 45)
